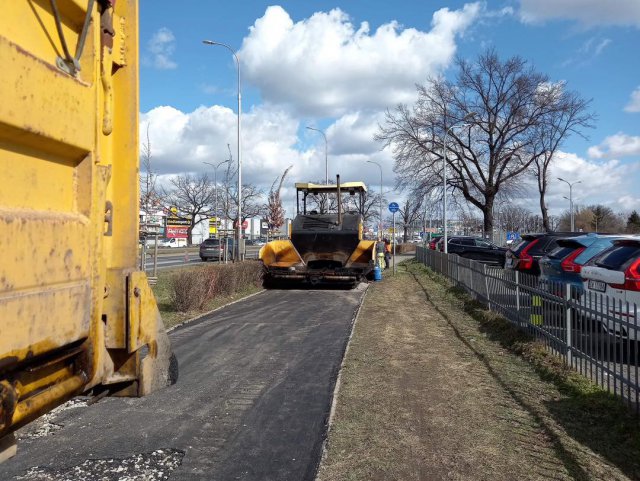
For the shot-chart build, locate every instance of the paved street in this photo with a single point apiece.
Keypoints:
(251, 403)
(168, 259)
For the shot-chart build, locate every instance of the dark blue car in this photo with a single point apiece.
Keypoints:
(563, 264)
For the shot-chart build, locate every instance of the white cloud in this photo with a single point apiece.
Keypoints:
(596, 179)
(618, 145)
(181, 142)
(353, 133)
(161, 46)
(629, 202)
(634, 102)
(587, 12)
(325, 66)
(588, 51)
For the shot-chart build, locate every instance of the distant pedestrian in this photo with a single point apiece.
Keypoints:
(387, 253)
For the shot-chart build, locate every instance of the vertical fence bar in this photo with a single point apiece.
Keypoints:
(486, 284)
(568, 310)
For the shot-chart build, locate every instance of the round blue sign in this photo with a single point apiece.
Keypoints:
(394, 207)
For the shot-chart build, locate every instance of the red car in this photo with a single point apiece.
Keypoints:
(433, 241)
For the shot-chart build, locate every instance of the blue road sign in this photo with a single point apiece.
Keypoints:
(394, 207)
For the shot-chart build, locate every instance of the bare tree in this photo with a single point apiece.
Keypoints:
(594, 218)
(569, 116)
(371, 207)
(274, 209)
(322, 203)
(193, 196)
(149, 198)
(409, 212)
(252, 199)
(500, 112)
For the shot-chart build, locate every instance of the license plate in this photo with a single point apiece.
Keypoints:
(508, 262)
(597, 285)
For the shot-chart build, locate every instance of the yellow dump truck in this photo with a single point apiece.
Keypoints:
(75, 315)
(326, 243)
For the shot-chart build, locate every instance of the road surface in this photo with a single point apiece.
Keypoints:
(251, 403)
(169, 259)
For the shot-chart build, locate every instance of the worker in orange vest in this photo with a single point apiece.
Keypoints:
(387, 253)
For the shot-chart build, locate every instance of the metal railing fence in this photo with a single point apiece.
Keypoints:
(595, 334)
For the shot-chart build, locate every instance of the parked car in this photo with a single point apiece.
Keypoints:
(477, 249)
(173, 242)
(526, 254)
(214, 249)
(612, 288)
(433, 241)
(563, 264)
(150, 241)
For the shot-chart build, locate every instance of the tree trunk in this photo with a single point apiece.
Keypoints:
(545, 214)
(406, 228)
(189, 234)
(488, 217)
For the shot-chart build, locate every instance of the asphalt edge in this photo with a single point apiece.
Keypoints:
(336, 387)
(205, 314)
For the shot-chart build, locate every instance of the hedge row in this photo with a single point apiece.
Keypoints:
(192, 289)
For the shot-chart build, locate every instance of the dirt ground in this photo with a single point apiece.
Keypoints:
(426, 395)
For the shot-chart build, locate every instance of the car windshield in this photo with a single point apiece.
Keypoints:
(594, 249)
(483, 243)
(561, 252)
(616, 257)
(211, 242)
(518, 248)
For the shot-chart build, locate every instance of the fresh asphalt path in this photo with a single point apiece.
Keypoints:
(251, 403)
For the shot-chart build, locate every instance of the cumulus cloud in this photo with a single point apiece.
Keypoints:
(325, 66)
(587, 12)
(353, 133)
(618, 145)
(596, 178)
(634, 102)
(181, 142)
(161, 47)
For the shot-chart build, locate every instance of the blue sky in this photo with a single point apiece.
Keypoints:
(338, 65)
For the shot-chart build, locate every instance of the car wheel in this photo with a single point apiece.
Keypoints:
(203, 259)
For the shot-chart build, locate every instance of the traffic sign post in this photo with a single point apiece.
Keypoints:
(393, 208)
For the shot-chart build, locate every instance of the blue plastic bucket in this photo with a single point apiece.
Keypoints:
(377, 273)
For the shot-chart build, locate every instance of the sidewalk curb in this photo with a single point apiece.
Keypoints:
(205, 314)
(336, 388)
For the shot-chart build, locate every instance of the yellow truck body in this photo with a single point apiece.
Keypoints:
(74, 312)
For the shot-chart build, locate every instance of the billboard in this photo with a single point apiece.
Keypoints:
(177, 227)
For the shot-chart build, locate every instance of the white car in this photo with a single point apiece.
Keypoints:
(612, 289)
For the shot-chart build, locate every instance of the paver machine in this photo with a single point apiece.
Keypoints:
(326, 244)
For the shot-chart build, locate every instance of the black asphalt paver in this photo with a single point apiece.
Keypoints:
(251, 403)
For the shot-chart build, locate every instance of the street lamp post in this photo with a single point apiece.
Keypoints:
(239, 250)
(380, 224)
(571, 184)
(326, 162)
(215, 189)
(466, 118)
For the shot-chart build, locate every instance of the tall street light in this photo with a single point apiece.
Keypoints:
(571, 184)
(469, 116)
(239, 250)
(380, 224)
(215, 190)
(326, 162)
